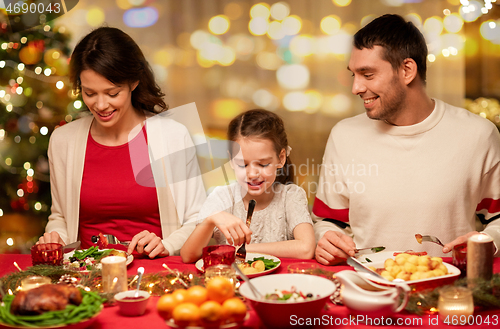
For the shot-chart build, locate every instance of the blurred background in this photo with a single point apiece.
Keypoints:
(227, 56)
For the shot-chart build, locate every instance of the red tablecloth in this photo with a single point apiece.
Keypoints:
(110, 318)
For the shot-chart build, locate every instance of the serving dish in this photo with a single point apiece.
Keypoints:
(377, 260)
(130, 259)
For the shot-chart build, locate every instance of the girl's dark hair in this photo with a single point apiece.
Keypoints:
(113, 54)
(399, 38)
(267, 125)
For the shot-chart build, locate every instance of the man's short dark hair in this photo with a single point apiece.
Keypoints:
(399, 38)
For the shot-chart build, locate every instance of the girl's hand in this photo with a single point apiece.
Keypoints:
(52, 237)
(147, 243)
(233, 228)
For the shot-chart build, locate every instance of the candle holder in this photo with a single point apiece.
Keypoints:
(47, 253)
(223, 270)
(114, 274)
(455, 302)
(34, 282)
(219, 254)
(303, 268)
(480, 250)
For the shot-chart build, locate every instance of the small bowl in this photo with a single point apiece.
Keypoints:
(130, 305)
(47, 253)
(279, 314)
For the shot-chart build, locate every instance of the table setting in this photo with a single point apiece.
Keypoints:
(293, 293)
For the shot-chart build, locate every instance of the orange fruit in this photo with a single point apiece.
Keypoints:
(210, 312)
(186, 314)
(234, 309)
(196, 295)
(180, 295)
(219, 289)
(166, 305)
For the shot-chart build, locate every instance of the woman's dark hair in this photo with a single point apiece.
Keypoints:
(266, 125)
(399, 38)
(113, 54)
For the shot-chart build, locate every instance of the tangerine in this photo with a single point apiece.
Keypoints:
(210, 312)
(180, 295)
(219, 289)
(233, 309)
(166, 305)
(196, 295)
(186, 314)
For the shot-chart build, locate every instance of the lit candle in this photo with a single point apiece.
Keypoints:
(34, 282)
(114, 274)
(455, 302)
(480, 250)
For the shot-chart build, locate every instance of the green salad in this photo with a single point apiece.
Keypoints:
(269, 263)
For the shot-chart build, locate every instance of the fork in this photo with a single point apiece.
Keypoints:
(241, 253)
(428, 238)
(111, 239)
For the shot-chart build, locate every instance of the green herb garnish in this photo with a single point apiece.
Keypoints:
(377, 249)
(268, 263)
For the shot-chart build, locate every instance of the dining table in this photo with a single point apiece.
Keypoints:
(333, 316)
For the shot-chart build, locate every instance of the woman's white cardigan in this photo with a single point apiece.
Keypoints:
(175, 169)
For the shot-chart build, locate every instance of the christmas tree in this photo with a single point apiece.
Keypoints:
(35, 98)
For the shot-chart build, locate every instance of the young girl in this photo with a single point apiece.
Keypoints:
(281, 224)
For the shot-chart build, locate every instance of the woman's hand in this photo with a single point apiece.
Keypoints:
(148, 243)
(233, 228)
(51, 237)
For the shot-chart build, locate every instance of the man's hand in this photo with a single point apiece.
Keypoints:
(148, 243)
(52, 237)
(461, 239)
(334, 247)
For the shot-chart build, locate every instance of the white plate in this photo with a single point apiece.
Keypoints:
(130, 258)
(378, 259)
(250, 256)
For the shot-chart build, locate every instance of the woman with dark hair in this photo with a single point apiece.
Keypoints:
(104, 176)
(281, 224)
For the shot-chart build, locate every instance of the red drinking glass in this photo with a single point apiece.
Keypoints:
(459, 255)
(220, 254)
(47, 253)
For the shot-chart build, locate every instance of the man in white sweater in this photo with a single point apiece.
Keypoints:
(410, 164)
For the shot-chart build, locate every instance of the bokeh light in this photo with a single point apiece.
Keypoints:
(341, 3)
(294, 76)
(265, 99)
(471, 12)
(95, 17)
(302, 45)
(433, 26)
(275, 30)
(280, 10)
(331, 24)
(453, 23)
(123, 4)
(296, 101)
(258, 26)
(218, 24)
(315, 101)
(140, 17)
(268, 60)
(260, 10)
(233, 10)
(292, 25)
(199, 38)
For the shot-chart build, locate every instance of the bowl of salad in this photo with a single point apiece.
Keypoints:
(288, 299)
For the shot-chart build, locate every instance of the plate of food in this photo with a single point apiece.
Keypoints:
(417, 269)
(50, 306)
(88, 259)
(255, 265)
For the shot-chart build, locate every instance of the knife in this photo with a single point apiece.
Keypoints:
(70, 247)
(364, 251)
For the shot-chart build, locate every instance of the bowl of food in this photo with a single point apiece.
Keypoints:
(130, 304)
(288, 298)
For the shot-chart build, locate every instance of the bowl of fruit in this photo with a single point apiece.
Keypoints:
(288, 298)
(213, 306)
